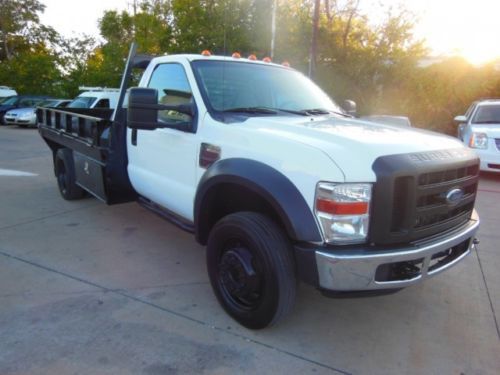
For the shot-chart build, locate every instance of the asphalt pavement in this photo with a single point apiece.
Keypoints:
(87, 288)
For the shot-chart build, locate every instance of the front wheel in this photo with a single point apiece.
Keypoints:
(251, 269)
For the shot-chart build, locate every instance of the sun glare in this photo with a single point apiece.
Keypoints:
(464, 28)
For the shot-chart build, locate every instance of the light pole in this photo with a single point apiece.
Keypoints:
(314, 41)
(273, 27)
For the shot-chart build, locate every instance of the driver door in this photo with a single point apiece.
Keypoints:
(162, 164)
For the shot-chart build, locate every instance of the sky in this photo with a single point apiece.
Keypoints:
(451, 27)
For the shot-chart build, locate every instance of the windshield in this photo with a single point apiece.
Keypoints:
(82, 102)
(48, 103)
(10, 101)
(233, 86)
(487, 114)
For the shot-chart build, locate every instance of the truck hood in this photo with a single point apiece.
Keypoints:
(353, 145)
(491, 130)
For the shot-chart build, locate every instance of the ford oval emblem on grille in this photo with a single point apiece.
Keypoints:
(454, 196)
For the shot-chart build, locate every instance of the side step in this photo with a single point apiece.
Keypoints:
(168, 215)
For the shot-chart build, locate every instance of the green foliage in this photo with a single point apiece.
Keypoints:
(34, 73)
(434, 95)
(28, 61)
(220, 26)
(375, 64)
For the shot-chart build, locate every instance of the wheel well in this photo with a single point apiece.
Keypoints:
(227, 198)
(54, 147)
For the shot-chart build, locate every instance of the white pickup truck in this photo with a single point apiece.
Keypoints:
(274, 178)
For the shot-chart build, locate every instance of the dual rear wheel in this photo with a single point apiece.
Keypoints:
(66, 177)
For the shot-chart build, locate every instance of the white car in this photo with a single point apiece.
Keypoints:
(5, 92)
(96, 97)
(25, 117)
(479, 129)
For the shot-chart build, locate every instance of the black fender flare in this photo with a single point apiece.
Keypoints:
(270, 184)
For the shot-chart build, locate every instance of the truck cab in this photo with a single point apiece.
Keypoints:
(275, 179)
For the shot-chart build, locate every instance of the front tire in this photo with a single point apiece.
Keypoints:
(66, 177)
(251, 269)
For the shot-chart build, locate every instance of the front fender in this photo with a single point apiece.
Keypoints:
(270, 184)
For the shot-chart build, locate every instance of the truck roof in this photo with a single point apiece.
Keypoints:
(98, 89)
(196, 57)
(99, 93)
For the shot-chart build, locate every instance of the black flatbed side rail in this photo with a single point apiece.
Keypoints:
(75, 131)
(86, 128)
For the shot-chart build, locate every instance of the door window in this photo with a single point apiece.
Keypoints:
(173, 89)
(103, 103)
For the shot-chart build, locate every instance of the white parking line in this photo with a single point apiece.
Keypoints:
(9, 172)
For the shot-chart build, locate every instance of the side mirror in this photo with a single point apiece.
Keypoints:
(143, 109)
(460, 119)
(142, 112)
(350, 107)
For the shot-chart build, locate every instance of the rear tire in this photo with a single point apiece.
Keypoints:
(66, 178)
(251, 269)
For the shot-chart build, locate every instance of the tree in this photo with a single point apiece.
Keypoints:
(33, 73)
(374, 64)
(20, 28)
(27, 49)
(221, 26)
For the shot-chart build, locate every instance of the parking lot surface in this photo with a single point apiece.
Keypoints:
(87, 288)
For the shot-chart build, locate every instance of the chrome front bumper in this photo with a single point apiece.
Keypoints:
(359, 269)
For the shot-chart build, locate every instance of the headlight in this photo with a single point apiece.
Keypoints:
(343, 211)
(478, 140)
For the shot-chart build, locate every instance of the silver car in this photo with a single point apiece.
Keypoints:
(25, 117)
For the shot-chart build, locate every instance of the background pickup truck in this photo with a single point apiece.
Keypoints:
(274, 178)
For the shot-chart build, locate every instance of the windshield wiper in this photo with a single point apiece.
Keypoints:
(487, 122)
(259, 110)
(266, 110)
(295, 112)
(273, 111)
(322, 111)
